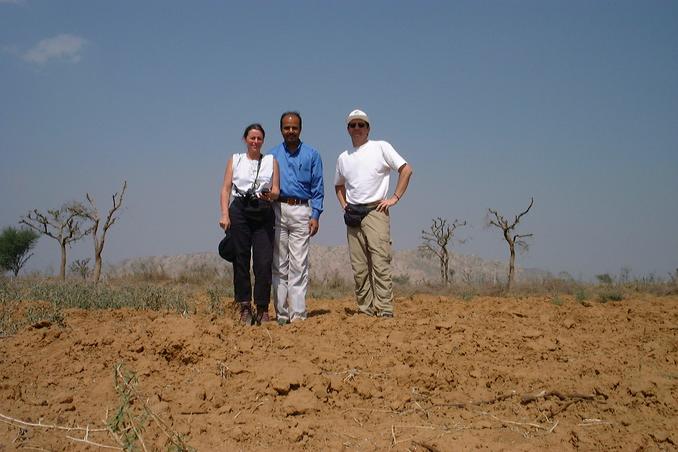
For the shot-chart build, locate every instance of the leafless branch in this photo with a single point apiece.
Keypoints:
(93, 215)
(63, 225)
(512, 239)
(436, 240)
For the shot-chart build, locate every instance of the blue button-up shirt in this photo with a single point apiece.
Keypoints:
(301, 175)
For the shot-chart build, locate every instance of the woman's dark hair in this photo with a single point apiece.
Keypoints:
(255, 126)
(290, 113)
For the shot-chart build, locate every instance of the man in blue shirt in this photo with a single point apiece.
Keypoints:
(297, 215)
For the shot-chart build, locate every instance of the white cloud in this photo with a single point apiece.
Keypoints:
(63, 46)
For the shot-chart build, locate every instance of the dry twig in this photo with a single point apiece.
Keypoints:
(428, 447)
(11, 420)
(21, 424)
(527, 398)
(478, 402)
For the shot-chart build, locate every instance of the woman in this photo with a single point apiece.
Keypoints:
(251, 183)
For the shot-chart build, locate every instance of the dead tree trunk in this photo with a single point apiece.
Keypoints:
(444, 265)
(512, 263)
(100, 240)
(62, 266)
(512, 239)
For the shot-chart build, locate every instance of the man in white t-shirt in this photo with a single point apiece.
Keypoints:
(361, 182)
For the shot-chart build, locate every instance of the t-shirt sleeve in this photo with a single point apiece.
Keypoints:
(391, 156)
(338, 176)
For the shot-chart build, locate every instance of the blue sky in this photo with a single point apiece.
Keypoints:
(572, 102)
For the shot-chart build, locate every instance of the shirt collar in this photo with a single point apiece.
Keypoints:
(295, 151)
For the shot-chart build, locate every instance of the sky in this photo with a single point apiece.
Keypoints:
(574, 103)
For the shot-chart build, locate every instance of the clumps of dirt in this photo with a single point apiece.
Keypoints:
(444, 374)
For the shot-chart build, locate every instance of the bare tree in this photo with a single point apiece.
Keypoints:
(511, 237)
(80, 267)
(467, 275)
(100, 239)
(435, 242)
(63, 225)
(624, 275)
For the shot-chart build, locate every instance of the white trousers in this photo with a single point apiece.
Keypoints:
(290, 260)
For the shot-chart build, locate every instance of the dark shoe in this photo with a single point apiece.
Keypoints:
(282, 321)
(369, 312)
(246, 314)
(262, 315)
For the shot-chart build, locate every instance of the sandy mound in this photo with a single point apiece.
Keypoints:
(444, 374)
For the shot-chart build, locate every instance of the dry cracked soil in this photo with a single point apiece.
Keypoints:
(495, 373)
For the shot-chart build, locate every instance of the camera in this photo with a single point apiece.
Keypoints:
(250, 196)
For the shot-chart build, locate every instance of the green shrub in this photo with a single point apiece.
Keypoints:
(83, 295)
(331, 287)
(50, 313)
(580, 295)
(556, 300)
(134, 416)
(217, 296)
(467, 296)
(8, 322)
(604, 297)
(605, 278)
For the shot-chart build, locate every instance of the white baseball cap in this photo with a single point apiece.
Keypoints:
(357, 114)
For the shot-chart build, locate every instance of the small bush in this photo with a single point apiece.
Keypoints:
(580, 295)
(133, 417)
(217, 296)
(467, 296)
(604, 297)
(9, 324)
(331, 287)
(41, 313)
(556, 300)
(82, 295)
(605, 278)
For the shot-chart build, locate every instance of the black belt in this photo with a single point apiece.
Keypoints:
(293, 201)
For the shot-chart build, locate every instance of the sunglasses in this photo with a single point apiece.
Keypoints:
(360, 125)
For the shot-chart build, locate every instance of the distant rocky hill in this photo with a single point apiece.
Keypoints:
(332, 262)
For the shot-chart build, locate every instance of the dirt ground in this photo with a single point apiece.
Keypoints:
(444, 374)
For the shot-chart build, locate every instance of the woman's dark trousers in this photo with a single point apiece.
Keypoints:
(253, 239)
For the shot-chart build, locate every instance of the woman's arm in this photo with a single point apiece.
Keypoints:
(275, 184)
(225, 221)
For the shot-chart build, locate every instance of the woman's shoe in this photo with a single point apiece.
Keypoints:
(246, 314)
(262, 315)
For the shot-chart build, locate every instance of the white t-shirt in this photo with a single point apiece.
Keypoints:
(245, 170)
(365, 171)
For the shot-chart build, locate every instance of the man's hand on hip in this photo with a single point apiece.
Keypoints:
(385, 204)
(313, 226)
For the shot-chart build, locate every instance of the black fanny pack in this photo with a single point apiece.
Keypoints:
(354, 213)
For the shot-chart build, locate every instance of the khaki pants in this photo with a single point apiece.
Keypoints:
(369, 246)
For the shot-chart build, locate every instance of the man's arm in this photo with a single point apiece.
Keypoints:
(404, 174)
(317, 194)
(340, 190)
